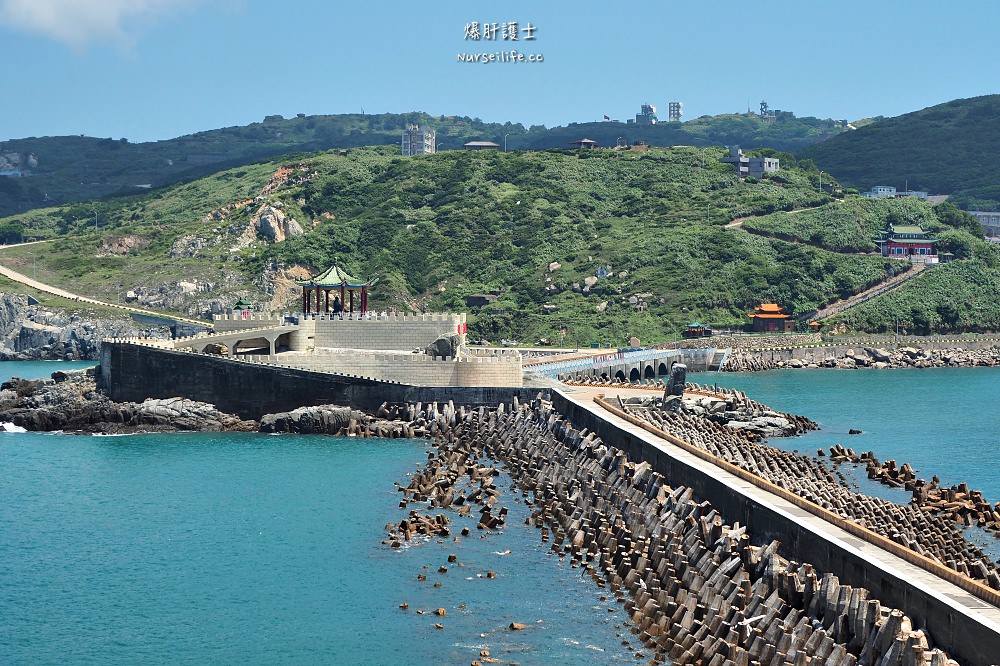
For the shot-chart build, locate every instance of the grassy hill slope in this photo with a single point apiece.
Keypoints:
(534, 228)
(84, 168)
(951, 148)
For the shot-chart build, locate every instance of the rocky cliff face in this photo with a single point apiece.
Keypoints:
(271, 223)
(32, 332)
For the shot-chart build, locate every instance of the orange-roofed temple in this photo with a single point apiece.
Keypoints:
(771, 318)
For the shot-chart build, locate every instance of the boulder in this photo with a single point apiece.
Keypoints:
(446, 346)
(878, 355)
(323, 419)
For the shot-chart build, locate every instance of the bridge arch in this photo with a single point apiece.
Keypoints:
(620, 375)
(662, 369)
(634, 375)
(648, 372)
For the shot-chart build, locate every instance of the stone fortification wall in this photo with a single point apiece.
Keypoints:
(405, 368)
(962, 635)
(236, 321)
(133, 372)
(388, 332)
(395, 332)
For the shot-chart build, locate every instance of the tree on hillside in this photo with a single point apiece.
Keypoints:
(948, 213)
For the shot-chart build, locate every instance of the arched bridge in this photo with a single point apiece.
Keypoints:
(627, 365)
(253, 339)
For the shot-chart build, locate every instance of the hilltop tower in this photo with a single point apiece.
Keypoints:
(647, 116)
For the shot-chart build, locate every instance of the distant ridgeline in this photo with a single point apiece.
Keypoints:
(77, 168)
(951, 148)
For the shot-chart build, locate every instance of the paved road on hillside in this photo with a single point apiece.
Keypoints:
(41, 286)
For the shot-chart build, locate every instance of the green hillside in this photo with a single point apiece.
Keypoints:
(951, 148)
(532, 228)
(78, 168)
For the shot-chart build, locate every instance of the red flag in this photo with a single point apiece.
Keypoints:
(607, 117)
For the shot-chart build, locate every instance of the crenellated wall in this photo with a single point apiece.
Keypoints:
(386, 332)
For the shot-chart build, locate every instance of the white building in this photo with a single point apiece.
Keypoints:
(646, 116)
(889, 192)
(417, 141)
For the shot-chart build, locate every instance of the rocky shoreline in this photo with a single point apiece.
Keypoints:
(31, 332)
(72, 402)
(746, 360)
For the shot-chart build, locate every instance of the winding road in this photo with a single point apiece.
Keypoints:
(11, 274)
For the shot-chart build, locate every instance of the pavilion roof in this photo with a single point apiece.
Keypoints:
(769, 308)
(906, 229)
(334, 276)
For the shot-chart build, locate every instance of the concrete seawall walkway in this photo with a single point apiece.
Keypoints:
(959, 618)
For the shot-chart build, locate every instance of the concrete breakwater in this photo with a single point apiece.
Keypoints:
(698, 590)
(849, 358)
(957, 505)
(933, 535)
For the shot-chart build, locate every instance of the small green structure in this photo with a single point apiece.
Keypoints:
(697, 330)
(333, 279)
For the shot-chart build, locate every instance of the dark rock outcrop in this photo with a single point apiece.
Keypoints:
(71, 402)
(445, 346)
(325, 420)
(35, 333)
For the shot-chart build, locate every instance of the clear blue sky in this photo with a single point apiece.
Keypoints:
(156, 69)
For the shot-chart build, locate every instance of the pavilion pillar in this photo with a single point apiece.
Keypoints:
(364, 300)
(352, 301)
(327, 293)
(305, 301)
(343, 300)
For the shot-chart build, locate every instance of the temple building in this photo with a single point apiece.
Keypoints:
(771, 318)
(346, 290)
(901, 241)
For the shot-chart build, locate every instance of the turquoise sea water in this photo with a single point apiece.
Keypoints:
(942, 421)
(245, 548)
(39, 369)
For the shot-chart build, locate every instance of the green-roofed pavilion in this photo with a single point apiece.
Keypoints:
(697, 330)
(332, 279)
